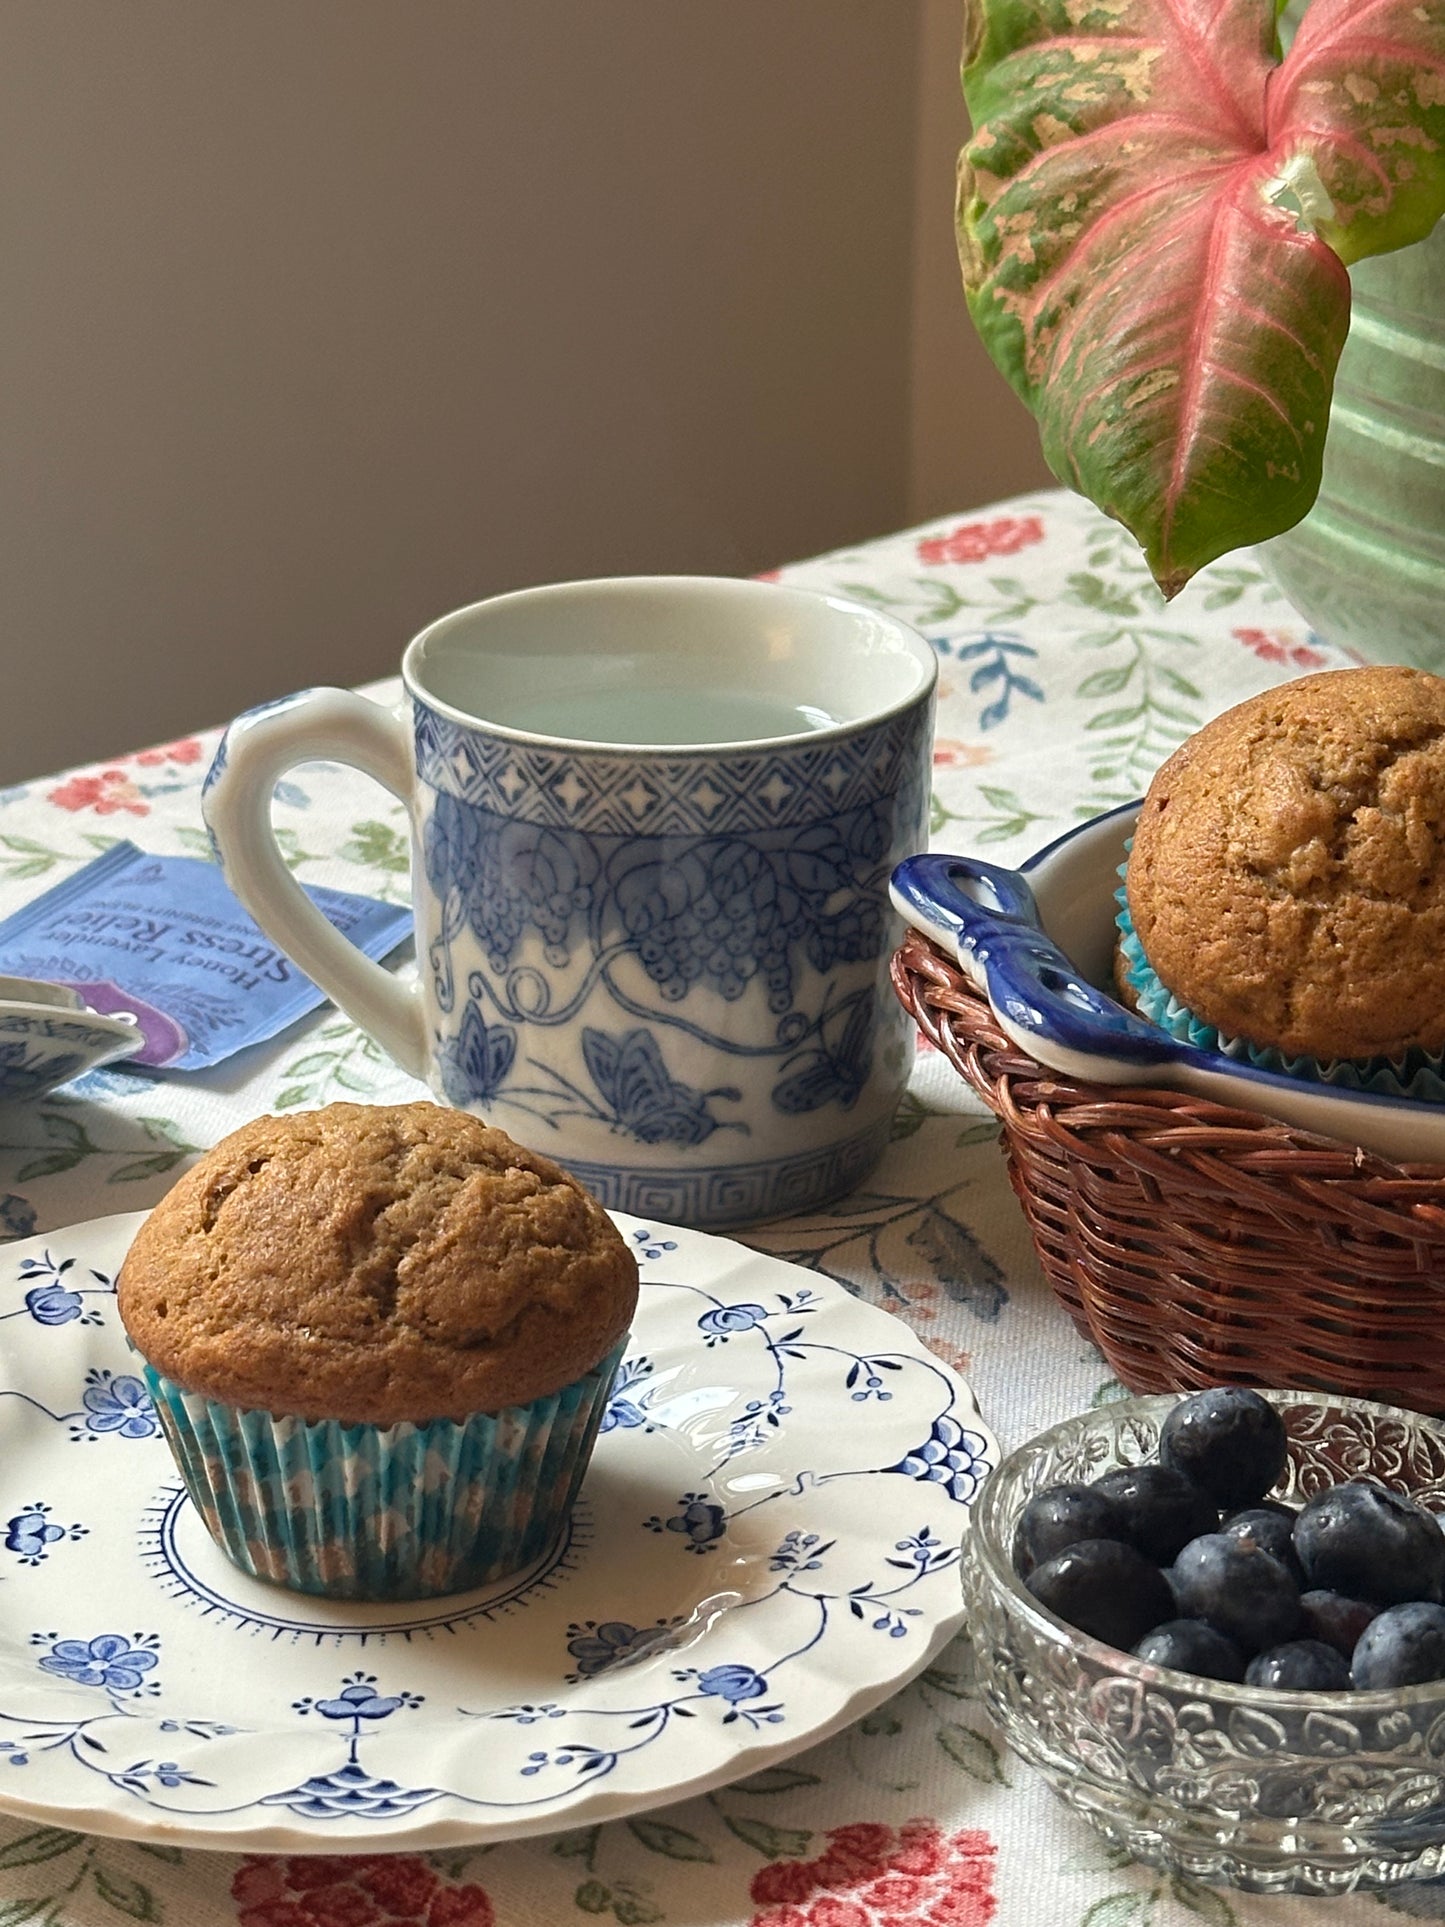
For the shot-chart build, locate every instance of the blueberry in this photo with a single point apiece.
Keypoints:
(1242, 1590)
(1301, 1666)
(1404, 1646)
(1230, 1442)
(1368, 1543)
(1334, 1619)
(1060, 1516)
(1162, 1511)
(1276, 1506)
(1105, 1589)
(1274, 1530)
(1189, 1646)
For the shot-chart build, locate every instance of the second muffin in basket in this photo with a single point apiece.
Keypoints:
(1286, 885)
(380, 1340)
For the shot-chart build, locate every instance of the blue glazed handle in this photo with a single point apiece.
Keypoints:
(988, 918)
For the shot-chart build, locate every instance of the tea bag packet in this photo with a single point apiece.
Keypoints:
(163, 937)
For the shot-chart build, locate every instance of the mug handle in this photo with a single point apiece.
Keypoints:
(326, 725)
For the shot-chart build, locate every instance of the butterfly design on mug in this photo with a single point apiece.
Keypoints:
(644, 1101)
(477, 1062)
(837, 1065)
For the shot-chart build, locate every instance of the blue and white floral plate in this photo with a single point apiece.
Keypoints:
(49, 1034)
(766, 1546)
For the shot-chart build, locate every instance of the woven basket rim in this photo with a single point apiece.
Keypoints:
(1179, 1117)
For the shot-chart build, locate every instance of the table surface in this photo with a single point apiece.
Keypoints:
(1065, 681)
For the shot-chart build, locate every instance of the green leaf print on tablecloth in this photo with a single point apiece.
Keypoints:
(1004, 818)
(71, 1144)
(914, 1247)
(340, 1061)
(287, 841)
(974, 1751)
(1162, 706)
(676, 1843)
(933, 602)
(26, 857)
(93, 1872)
(1143, 1909)
(378, 846)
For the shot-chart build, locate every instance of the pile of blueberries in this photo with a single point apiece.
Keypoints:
(1187, 1563)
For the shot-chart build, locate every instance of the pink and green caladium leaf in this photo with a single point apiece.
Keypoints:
(1154, 216)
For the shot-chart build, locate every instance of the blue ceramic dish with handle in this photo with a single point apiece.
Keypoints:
(1039, 942)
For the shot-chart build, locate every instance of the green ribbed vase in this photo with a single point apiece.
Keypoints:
(1366, 567)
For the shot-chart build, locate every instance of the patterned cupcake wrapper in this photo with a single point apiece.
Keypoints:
(382, 1513)
(1417, 1074)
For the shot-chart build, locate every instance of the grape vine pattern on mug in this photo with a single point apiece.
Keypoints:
(694, 919)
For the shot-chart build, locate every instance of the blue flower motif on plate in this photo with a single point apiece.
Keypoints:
(701, 1521)
(599, 1646)
(358, 1700)
(732, 1683)
(53, 1304)
(736, 1686)
(109, 1660)
(117, 1402)
(720, 1323)
(31, 1532)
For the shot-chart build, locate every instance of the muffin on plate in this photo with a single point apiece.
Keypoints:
(1285, 890)
(380, 1340)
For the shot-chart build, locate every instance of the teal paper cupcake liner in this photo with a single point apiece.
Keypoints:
(384, 1512)
(1417, 1074)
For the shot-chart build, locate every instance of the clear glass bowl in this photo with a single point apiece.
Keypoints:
(1269, 1791)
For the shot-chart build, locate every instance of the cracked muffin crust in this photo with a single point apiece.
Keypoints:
(376, 1263)
(1287, 878)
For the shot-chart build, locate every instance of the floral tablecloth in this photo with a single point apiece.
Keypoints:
(1065, 681)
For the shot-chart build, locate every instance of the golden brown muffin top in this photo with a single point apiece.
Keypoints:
(374, 1263)
(1287, 879)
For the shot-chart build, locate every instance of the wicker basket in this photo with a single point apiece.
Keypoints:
(1200, 1245)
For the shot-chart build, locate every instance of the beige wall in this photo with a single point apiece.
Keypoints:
(324, 316)
(970, 439)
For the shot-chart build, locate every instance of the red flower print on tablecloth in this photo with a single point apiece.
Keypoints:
(188, 750)
(981, 541)
(1278, 645)
(956, 1357)
(949, 754)
(872, 1876)
(105, 792)
(373, 1890)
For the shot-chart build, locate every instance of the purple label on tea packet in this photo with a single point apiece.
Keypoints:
(166, 1042)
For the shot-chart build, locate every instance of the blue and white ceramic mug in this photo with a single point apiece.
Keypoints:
(653, 824)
